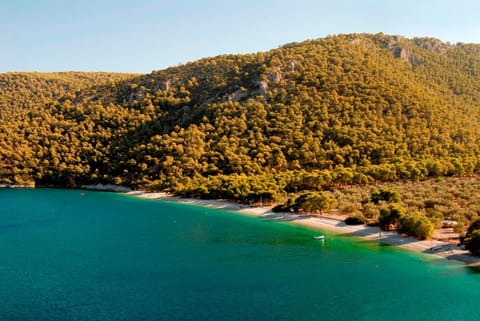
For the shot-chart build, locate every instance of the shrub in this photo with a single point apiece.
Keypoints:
(313, 202)
(385, 194)
(422, 228)
(417, 225)
(356, 219)
(371, 211)
(349, 207)
(390, 215)
(435, 216)
(474, 226)
(430, 203)
(469, 214)
(472, 242)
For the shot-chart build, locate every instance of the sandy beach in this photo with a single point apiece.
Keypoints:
(433, 247)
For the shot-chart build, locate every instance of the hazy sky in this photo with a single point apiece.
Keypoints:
(145, 35)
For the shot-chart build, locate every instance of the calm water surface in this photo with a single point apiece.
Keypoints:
(77, 255)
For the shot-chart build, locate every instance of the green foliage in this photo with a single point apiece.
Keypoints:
(308, 202)
(313, 202)
(325, 113)
(385, 194)
(474, 226)
(371, 211)
(390, 216)
(452, 198)
(416, 225)
(356, 219)
(472, 238)
(247, 189)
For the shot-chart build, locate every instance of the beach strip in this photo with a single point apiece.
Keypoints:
(432, 247)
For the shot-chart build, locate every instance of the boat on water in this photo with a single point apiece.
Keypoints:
(319, 237)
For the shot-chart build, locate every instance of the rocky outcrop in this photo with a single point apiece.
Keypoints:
(399, 46)
(365, 43)
(406, 55)
(237, 95)
(274, 76)
(165, 85)
(262, 88)
(432, 44)
(290, 66)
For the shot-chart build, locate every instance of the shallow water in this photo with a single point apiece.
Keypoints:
(78, 255)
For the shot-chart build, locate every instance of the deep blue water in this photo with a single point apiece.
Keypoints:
(78, 255)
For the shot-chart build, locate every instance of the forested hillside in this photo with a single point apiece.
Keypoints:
(340, 110)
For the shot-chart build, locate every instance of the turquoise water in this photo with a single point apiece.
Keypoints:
(77, 255)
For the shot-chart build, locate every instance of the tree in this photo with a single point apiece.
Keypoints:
(390, 216)
(322, 113)
(472, 238)
(313, 202)
(385, 194)
(472, 242)
(474, 226)
(423, 228)
(416, 224)
(356, 219)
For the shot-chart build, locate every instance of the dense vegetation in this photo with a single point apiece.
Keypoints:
(472, 239)
(455, 199)
(348, 109)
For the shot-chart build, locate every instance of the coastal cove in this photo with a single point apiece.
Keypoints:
(83, 255)
(308, 161)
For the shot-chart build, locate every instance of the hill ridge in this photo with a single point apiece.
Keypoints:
(336, 110)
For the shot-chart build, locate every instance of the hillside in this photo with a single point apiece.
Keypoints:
(340, 110)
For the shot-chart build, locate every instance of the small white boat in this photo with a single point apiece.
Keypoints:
(319, 237)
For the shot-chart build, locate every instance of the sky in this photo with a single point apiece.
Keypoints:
(145, 35)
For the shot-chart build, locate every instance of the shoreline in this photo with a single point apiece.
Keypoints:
(435, 248)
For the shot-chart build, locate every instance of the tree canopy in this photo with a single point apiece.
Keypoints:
(347, 109)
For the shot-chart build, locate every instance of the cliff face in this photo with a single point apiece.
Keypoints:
(348, 101)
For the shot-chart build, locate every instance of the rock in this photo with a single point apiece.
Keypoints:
(290, 66)
(237, 95)
(407, 56)
(165, 85)
(274, 76)
(262, 87)
(365, 43)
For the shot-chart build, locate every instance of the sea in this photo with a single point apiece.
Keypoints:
(83, 255)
